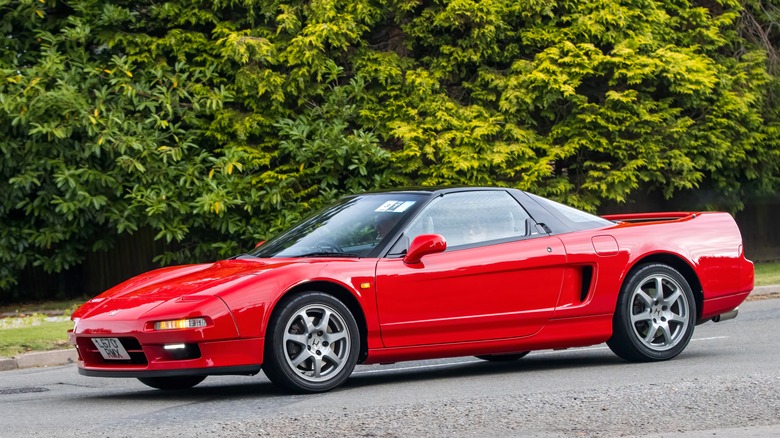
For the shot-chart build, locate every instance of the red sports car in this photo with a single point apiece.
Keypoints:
(405, 275)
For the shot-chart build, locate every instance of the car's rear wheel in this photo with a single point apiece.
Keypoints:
(655, 315)
(502, 357)
(173, 382)
(312, 343)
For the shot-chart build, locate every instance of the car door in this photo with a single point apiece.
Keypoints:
(498, 278)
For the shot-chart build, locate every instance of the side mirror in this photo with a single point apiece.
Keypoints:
(423, 245)
(259, 243)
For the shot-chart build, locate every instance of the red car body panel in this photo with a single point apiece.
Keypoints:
(553, 291)
(518, 284)
(709, 242)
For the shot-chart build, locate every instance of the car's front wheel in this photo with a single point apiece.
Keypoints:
(173, 382)
(312, 343)
(655, 315)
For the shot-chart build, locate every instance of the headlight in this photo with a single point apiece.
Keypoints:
(176, 324)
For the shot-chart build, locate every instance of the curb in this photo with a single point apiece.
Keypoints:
(39, 359)
(765, 290)
(65, 357)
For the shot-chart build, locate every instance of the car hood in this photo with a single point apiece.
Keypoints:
(144, 292)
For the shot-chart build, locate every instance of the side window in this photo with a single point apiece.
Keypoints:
(467, 218)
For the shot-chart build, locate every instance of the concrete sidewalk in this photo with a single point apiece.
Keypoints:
(64, 357)
(765, 290)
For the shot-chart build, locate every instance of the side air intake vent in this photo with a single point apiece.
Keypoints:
(587, 279)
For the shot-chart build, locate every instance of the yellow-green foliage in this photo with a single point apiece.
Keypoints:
(218, 123)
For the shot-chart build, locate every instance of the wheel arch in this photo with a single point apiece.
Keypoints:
(680, 265)
(339, 292)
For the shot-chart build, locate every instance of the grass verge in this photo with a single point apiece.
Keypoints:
(46, 336)
(767, 273)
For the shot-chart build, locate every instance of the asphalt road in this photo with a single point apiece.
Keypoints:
(726, 383)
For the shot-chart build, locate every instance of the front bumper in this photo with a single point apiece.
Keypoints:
(239, 356)
(214, 348)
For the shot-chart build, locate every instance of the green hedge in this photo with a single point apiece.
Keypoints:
(218, 123)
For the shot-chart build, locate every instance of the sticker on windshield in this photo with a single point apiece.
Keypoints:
(395, 206)
(403, 207)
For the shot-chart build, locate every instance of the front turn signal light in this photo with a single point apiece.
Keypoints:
(177, 324)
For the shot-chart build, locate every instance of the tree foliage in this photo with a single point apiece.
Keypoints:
(219, 123)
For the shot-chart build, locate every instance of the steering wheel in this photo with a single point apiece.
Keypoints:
(326, 245)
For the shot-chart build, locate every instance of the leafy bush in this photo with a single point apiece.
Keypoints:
(216, 124)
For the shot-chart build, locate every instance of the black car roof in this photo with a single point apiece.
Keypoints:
(430, 190)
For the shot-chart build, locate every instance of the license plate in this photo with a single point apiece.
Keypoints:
(111, 348)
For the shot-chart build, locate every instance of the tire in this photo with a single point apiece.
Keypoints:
(503, 357)
(648, 326)
(172, 383)
(312, 344)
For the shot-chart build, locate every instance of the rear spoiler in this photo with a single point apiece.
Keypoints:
(650, 217)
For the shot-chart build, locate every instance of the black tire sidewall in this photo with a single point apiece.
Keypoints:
(502, 357)
(171, 383)
(276, 366)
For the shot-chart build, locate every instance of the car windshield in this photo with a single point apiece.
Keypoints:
(353, 227)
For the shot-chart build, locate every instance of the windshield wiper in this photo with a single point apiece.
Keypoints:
(242, 257)
(328, 254)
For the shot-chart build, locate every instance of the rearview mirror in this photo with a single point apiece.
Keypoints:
(423, 245)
